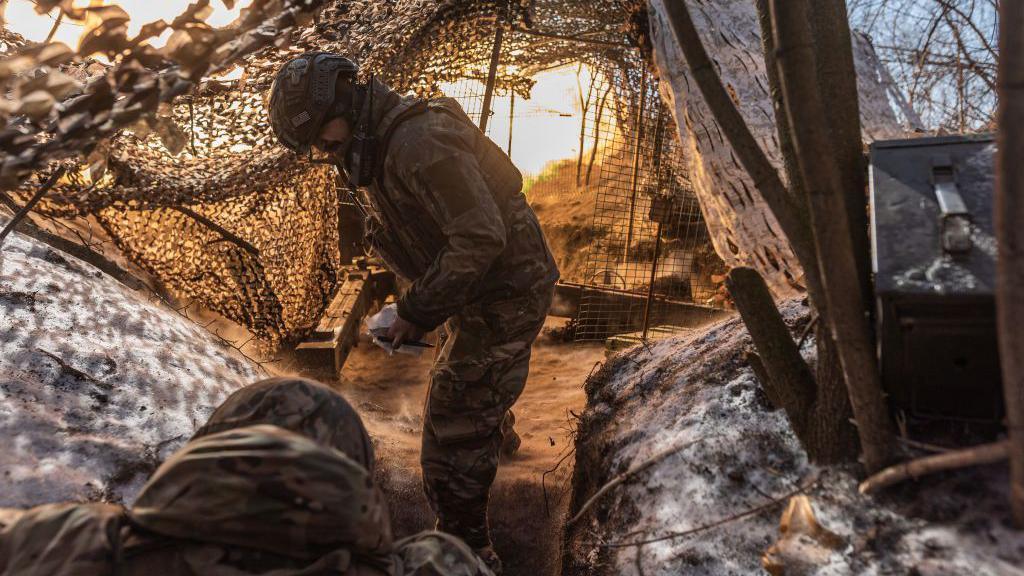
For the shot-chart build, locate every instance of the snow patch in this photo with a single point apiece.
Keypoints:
(744, 455)
(97, 383)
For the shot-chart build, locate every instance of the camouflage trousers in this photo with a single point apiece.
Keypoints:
(480, 371)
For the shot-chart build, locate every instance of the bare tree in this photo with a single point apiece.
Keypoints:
(822, 433)
(585, 102)
(1009, 213)
(942, 52)
(597, 133)
(822, 169)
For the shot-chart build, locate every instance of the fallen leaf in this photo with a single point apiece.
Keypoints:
(803, 545)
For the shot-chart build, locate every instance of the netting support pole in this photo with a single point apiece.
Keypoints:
(634, 182)
(511, 117)
(659, 136)
(492, 74)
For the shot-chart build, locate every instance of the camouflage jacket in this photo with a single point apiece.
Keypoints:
(450, 212)
(255, 500)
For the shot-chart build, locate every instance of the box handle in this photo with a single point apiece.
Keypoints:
(954, 219)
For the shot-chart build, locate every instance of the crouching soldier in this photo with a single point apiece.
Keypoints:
(445, 210)
(278, 482)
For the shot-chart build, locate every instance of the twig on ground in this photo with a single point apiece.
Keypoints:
(20, 215)
(83, 251)
(619, 479)
(952, 460)
(923, 445)
(183, 312)
(544, 477)
(705, 527)
(68, 368)
(807, 331)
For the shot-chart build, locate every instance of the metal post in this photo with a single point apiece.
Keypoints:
(492, 73)
(664, 212)
(635, 178)
(511, 117)
(650, 287)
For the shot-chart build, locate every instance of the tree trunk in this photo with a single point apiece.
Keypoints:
(826, 435)
(836, 442)
(837, 80)
(789, 383)
(597, 133)
(1009, 214)
(822, 178)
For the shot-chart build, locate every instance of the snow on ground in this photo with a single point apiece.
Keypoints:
(743, 455)
(97, 383)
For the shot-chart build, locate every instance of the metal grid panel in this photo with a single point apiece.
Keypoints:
(651, 268)
(469, 92)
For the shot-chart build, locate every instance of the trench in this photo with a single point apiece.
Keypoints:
(532, 491)
(609, 189)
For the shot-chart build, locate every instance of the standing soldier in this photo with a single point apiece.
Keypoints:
(446, 212)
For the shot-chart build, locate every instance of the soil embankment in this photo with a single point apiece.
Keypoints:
(566, 214)
(389, 393)
(712, 506)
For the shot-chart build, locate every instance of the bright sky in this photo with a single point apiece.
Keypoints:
(22, 18)
(546, 126)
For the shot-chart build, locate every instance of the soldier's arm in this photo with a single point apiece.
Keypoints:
(447, 178)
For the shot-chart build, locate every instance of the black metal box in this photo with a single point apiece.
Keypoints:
(934, 260)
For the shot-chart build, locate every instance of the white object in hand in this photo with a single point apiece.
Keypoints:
(377, 327)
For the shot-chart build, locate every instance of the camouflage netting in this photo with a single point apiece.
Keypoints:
(180, 168)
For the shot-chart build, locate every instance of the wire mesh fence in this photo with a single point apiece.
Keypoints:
(616, 207)
(650, 268)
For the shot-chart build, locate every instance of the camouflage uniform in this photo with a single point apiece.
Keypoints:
(251, 500)
(450, 216)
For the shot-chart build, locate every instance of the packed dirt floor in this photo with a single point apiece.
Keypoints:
(531, 492)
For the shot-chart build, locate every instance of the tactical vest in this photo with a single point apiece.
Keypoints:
(503, 180)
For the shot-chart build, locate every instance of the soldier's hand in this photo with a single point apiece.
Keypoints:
(403, 331)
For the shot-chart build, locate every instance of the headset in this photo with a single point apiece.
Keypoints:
(323, 105)
(362, 164)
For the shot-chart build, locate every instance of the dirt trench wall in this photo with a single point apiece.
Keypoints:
(718, 465)
(742, 228)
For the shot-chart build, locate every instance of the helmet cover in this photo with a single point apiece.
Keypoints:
(303, 97)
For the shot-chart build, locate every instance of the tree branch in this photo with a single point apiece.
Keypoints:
(20, 214)
(790, 384)
(225, 234)
(974, 456)
(847, 320)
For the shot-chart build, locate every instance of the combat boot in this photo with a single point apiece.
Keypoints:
(510, 440)
(490, 558)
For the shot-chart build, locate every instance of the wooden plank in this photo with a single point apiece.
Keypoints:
(338, 330)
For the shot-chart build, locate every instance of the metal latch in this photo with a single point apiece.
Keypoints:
(954, 219)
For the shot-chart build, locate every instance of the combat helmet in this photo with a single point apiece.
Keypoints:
(269, 489)
(303, 98)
